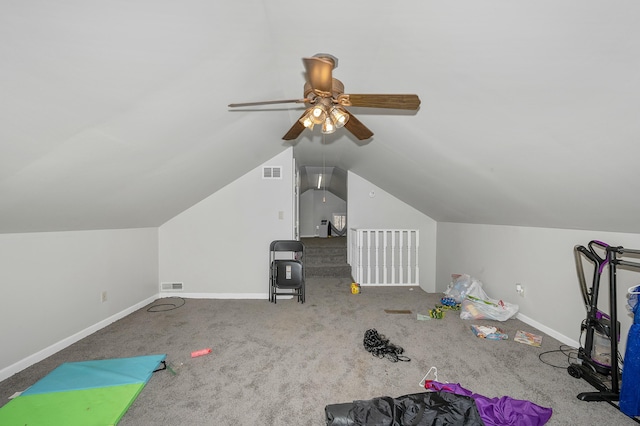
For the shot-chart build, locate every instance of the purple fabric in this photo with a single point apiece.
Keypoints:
(503, 411)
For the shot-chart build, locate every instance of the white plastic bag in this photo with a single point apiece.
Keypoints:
(476, 304)
(463, 285)
(486, 308)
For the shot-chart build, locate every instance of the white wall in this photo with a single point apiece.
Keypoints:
(52, 284)
(220, 246)
(541, 259)
(313, 210)
(307, 214)
(384, 211)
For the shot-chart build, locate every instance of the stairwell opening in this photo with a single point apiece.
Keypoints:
(323, 197)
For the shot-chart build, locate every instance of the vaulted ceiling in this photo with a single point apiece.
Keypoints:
(113, 114)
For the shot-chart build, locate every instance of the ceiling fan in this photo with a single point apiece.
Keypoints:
(327, 101)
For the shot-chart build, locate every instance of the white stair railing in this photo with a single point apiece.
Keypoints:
(384, 256)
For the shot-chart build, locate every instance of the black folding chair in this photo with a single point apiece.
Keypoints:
(286, 273)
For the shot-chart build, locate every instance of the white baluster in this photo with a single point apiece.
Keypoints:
(417, 267)
(367, 265)
(393, 256)
(409, 265)
(401, 257)
(384, 257)
(360, 272)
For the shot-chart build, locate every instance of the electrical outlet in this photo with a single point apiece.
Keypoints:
(103, 296)
(520, 289)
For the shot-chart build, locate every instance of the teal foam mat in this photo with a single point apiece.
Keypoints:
(82, 393)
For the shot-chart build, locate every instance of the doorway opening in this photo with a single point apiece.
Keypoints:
(322, 197)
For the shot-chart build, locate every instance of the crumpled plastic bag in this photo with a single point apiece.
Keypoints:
(476, 304)
(462, 285)
(476, 308)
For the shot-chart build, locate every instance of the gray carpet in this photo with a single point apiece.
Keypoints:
(282, 364)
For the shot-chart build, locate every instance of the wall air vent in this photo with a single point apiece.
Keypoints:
(272, 172)
(171, 286)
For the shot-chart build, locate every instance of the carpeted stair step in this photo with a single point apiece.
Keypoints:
(326, 257)
(324, 250)
(334, 271)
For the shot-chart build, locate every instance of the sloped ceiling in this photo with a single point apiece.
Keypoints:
(333, 180)
(114, 114)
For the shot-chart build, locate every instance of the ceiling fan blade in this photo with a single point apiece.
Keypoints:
(410, 102)
(285, 101)
(319, 74)
(295, 130)
(358, 129)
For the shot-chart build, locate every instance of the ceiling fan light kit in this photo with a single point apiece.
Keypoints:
(331, 117)
(328, 127)
(327, 100)
(317, 114)
(339, 116)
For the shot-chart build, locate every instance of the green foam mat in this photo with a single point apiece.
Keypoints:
(86, 393)
(89, 407)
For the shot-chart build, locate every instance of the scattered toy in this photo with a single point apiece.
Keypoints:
(200, 352)
(436, 313)
(450, 303)
(489, 332)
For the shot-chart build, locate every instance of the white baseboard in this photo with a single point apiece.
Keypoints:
(561, 337)
(391, 285)
(56, 347)
(215, 295)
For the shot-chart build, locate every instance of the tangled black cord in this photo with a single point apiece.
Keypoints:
(379, 346)
(164, 307)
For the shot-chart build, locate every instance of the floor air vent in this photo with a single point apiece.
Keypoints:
(171, 286)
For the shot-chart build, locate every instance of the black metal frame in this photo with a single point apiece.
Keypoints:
(590, 370)
(295, 267)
